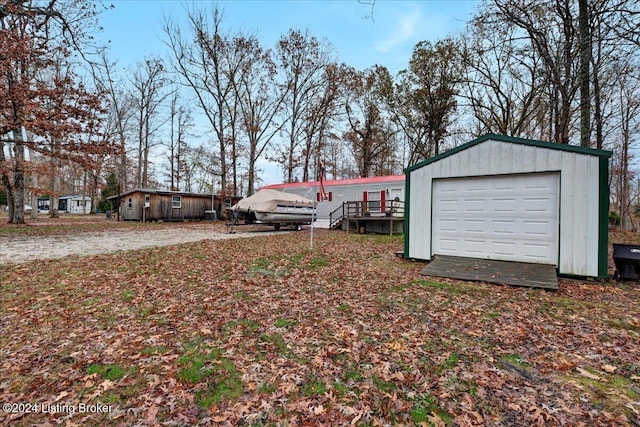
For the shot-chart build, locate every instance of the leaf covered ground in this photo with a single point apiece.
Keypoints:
(265, 331)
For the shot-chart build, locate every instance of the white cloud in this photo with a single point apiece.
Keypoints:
(403, 31)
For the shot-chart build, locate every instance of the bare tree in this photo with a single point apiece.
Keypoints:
(324, 107)
(149, 84)
(121, 104)
(424, 100)
(260, 99)
(584, 75)
(198, 169)
(628, 85)
(302, 59)
(368, 129)
(501, 83)
(180, 123)
(549, 26)
(202, 60)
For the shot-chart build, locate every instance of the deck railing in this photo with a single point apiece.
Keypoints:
(359, 209)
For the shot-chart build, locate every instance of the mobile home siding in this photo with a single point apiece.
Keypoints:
(343, 191)
(580, 204)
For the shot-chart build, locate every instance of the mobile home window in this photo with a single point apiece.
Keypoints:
(130, 203)
(176, 202)
(373, 201)
(328, 197)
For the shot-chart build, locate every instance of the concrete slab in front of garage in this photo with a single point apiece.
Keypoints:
(492, 271)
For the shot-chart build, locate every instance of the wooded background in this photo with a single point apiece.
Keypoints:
(564, 71)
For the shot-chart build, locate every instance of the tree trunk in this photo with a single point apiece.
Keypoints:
(33, 200)
(84, 193)
(584, 73)
(598, 111)
(34, 196)
(94, 195)
(55, 180)
(18, 179)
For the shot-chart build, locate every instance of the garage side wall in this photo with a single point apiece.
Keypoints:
(579, 202)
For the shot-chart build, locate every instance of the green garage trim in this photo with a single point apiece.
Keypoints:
(603, 244)
(407, 210)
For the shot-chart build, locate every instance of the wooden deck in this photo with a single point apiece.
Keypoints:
(373, 224)
(360, 217)
(492, 271)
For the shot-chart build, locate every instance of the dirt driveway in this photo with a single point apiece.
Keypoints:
(25, 248)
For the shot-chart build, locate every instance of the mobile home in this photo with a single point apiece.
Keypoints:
(67, 204)
(377, 194)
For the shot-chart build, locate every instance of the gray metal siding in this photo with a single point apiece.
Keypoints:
(341, 194)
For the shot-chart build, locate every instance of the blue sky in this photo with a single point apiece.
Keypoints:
(134, 27)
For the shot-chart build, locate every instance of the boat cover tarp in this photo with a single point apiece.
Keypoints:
(267, 200)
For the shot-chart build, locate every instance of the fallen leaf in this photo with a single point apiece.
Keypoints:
(317, 410)
(150, 417)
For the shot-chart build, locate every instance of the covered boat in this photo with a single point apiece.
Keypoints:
(276, 208)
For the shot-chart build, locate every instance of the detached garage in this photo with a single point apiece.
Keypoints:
(511, 199)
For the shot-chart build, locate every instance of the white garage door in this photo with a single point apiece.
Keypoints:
(507, 217)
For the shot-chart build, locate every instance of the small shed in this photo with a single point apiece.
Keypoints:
(164, 205)
(511, 199)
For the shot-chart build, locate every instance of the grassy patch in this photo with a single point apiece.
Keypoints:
(89, 302)
(283, 323)
(108, 372)
(274, 343)
(307, 260)
(247, 326)
(341, 388)
(266, 267)
(127, 296)
(379, 239)
(516, 360)
(610, 392)
(621, 324)
(267, 388)
(200, 363)
(318, 262)
(314, 388)
(154, 350)
(455, 289)
(426, 411)
(261, 264)
(352, 375)
(243, 296)
(383, 386)
(451, 361)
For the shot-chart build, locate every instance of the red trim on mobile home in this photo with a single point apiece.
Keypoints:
(352, 181)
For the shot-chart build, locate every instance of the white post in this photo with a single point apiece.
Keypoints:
(315, 199)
